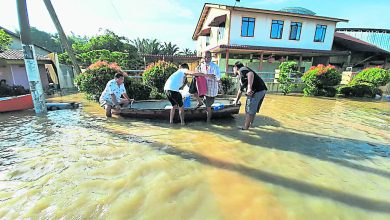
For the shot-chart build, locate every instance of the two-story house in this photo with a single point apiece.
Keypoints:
(263, 38)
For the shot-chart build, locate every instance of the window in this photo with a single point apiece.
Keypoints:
(277, 29)
(221, 33)
(320, 33)
(247, 27)
(295, 30)
(207, 40)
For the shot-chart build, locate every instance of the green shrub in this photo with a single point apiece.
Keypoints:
(156, 74)
(359, 90)
(93, 81)
(137, 90)
(320, 80)
(227, 85)
(375, 76)
(286, 69)
(366, 83)
(157, 95)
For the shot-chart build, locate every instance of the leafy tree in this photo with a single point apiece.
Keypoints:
(5, 40)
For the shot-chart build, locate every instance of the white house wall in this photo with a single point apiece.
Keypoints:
(263, 29)
(214, 12)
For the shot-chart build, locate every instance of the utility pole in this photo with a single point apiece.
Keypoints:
(34, 78)
(64, 40)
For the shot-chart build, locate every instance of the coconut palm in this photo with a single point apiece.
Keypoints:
(187, 52)
(169, 49)
(147, 46)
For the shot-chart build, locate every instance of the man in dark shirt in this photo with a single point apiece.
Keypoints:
(255, 91)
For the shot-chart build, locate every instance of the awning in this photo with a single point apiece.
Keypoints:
(218, 21)
(205, 32)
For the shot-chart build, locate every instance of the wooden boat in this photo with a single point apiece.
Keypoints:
(160, 109)
(16, 103)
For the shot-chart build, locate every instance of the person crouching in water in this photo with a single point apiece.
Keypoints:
(172, 86)
(111, 96)
(255, 92)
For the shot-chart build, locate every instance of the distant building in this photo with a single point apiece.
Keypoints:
(17, 44)
(12, 67)
(362, 54)
(262, 39)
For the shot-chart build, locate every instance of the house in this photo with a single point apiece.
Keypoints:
(13, 71)
(12, 67)
(262, 39)
(367, 47)
(16, 44)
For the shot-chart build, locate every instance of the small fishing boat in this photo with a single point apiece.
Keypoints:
(160, 109)
(16, 103)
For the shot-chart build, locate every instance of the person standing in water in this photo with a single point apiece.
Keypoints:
(172, 86)
(210, 68)
(255, 89)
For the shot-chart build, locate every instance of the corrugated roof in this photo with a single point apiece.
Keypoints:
(18, 55)
(356, 44)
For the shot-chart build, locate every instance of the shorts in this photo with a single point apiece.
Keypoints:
(108, 102)
(253, 103)
(208, 101)
(105, 102)
(174, 98)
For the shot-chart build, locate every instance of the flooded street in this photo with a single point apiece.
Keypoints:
(305, 158)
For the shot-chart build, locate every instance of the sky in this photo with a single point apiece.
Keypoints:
(175, 20)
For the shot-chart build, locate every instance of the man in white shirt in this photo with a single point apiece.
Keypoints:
(172, 86)
(209, 67)
(111, 96)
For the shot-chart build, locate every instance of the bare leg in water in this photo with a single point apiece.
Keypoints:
(248, 121)
(172, 114)
(181, 114)
(209, 113)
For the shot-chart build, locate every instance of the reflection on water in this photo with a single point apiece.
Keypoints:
(305, 158)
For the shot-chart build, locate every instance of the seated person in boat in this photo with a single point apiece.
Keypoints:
(255, 89)
(172, 86)
(111, 96)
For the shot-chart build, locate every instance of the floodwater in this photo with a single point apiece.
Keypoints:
(305, 158)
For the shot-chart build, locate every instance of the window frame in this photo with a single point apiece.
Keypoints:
(247, 31)
(300, 30)
(281, 30)
(323, 33)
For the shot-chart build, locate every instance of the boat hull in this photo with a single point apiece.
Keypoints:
(158, 110)
(16, 103)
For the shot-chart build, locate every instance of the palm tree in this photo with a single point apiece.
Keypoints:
(187, 52)
(169, 48)
(153, 46)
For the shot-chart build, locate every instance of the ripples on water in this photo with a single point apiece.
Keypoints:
(306, 158)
